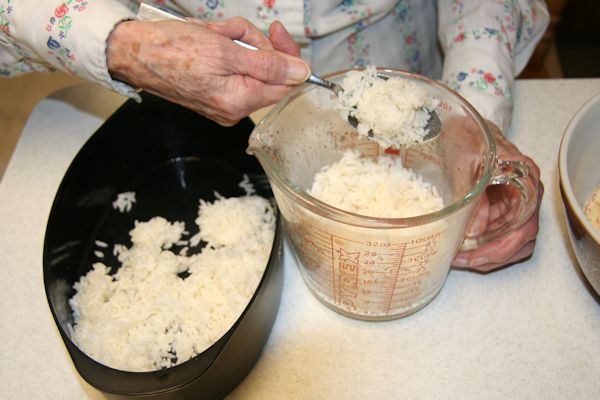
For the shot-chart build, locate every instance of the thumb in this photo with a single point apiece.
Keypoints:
(479, 220)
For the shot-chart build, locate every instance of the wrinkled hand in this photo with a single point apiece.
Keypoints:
(199, 66)
(494, 209)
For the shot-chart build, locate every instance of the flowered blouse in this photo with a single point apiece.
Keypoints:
(484, 44)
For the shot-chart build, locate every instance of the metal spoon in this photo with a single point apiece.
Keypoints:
(334, 87)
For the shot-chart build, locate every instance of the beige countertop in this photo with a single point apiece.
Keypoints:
(531, 331)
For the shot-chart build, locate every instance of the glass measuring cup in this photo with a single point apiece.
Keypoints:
(381, 268)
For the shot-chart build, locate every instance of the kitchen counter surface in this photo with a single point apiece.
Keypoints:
(531, 331)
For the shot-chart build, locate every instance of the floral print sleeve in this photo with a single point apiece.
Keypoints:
(69, 35)
(486, 44)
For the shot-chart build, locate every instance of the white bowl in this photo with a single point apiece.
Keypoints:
(579, 169)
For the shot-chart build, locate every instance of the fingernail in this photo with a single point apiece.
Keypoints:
(196, 21)
(480, 261)
(460, 262)
(297, 70)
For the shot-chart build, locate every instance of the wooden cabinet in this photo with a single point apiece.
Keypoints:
(545, 62)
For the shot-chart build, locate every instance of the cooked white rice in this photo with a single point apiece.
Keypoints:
(382, 188)
(146, 316)
(124, 201)
(247, 186)
(98, 254)
(395, 110)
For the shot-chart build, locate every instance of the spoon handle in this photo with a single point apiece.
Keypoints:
(324, 83)
(244, 44)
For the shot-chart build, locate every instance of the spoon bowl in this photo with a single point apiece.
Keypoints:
(433, 127)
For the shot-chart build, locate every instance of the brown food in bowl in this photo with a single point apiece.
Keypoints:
(592, 209)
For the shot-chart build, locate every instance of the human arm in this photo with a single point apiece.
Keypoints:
(69, 36)
(40, 36)
(486, 44)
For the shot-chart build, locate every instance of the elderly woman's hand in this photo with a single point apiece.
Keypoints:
(494, 209)
(199, 66)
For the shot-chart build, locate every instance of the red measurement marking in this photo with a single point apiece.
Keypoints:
(381, 302)
(393, 275)
(392, 151)
(332, 267)
(446, 106)
(408, 160)
(393, 252)
(423, 257)
(416, 246)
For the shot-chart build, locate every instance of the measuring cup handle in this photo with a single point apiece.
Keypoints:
(518, 174)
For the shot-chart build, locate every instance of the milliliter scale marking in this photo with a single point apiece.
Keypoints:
(380, 277)
(366, 275)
